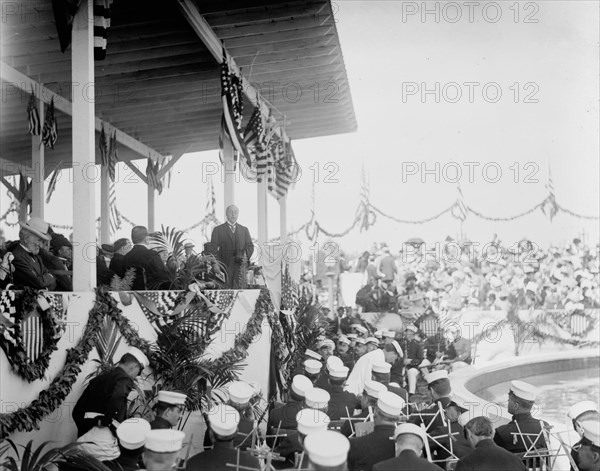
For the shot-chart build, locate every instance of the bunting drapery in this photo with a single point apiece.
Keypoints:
(50, 131)
(152, 170)
(33, 116)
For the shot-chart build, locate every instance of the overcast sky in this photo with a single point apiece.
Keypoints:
(541, 57)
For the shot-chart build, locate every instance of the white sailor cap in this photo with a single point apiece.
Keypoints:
(313, 367)
(352, 336)
(410, 429)
(223, 420)
(378, 334)
(532, 286)
(333, 362)
(339, 372)
(311, 421)
(372, 340)
(327, 449)
(139, 356)
(360, 341)
(579, 408)
(374, 388)
(316, 398)
(313, 354)
(132, 433)
(390, 403)
(171, 397)
(389, 333)
(523, 390)
(397, 348)
(240, 392)
(591, 430)
(359, 328)
(164, 440)
(301, 384)
(436, 376)
(326, 343)
(344, 339)
(382, 367)
(412, 328)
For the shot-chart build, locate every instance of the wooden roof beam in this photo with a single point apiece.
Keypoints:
(24, 83)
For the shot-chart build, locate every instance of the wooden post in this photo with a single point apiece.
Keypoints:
(84, 170)
(283, 221)
(261, 193)
(104, 205)
(229, 176)
(37, 163)
(151, 208)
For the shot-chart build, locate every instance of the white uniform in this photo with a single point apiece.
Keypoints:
(362, 371)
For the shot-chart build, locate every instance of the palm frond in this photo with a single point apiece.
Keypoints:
(123, 284)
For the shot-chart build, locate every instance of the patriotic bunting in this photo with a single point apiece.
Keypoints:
(152, 175)
(108, 158)
(50, 132)
(33, 116)
(24, 188)
(52, 183)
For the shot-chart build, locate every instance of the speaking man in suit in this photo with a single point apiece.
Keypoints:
(232, 241)
(150, 269)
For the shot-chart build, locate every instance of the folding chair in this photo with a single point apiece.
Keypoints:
(452, 458)
(536, 456)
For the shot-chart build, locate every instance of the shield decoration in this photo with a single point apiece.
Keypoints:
(32, 333)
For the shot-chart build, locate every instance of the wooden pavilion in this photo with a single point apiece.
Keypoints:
(158, 88)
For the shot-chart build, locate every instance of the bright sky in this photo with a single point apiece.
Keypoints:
(549, 67)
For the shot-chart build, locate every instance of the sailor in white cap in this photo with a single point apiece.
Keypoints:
(362, 371)
(377, 446)
(579, 412)
(352, 337)
(169, 409)
(588, 450)
(521, 399)
(440, 390)
(409, 441)
(368, 402)
(413, 359)
(360, 348)
(224, 422)
(240, 394)
(332, 363)
(486, 454)
(312, 369)
(132, 437)
(162, 448)
(341, 403)
(317, 398)
(327, 450)
(326, 348)
(372, 344)
(105, 397)
(388, 336)
(344, 352)
(285, 416)
(360, 329)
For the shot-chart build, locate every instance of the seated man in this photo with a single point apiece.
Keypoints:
(458, 353)
(285, 416)
(58, 261)
(169, 409)
(29, 268)
(588, 458)
(414, 358)
(584, 410)
(523, 431)
(147, 261)
(132, 437)
(162, 449)
(368, 399)
(410, 440)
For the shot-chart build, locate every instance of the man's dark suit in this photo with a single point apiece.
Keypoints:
(341, 403)
(427, 415)
(528, 425)
(141, 257)
(218, 458)
(30, 270)
(488, 456)
(230, 248)
(407, 460)
(371, 449)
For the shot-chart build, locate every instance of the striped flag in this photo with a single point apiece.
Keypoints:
(33, 335)
(152, 175)
(113, 155)
(52, 183)
(256, 137)
(460, 210)
(365, 214)
(115, 216)
(33, 116)
(232, 98)
(549, 206)
(101, 25)
(50, 132)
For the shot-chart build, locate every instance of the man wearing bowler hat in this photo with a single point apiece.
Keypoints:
(30, 270)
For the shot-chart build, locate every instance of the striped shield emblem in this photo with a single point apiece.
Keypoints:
(32, 331)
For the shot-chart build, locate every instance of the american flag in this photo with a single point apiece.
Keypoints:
(152, 175)
(108, 152)
(115, 216)
(102, 17)
(52, 183)
(460, 210)
(50, 132)
(286, 169)
(255, 137)
(549, 206)
(24, 187)
(33, 116)
(289, 290)
(365, 214)
(33, 335)
(232, 98)
(211, 200)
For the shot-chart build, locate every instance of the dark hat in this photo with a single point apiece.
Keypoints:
(108, 248)
(58, 241)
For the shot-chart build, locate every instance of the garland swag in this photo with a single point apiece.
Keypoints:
(27, 418)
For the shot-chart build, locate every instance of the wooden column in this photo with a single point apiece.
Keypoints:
(105, 234)
(229, 176)
(37, 163)
(283, 221)
(84, 176)
(261, 193)
(151, 208)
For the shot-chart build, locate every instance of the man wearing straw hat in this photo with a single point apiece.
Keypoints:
(29, 269)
